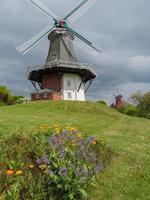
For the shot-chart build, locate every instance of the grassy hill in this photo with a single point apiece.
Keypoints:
(128, 176)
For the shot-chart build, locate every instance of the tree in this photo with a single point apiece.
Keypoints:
(7, 99)
(142, 102)
(4, 94)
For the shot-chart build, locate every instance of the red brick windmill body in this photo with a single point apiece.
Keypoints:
(62, 76)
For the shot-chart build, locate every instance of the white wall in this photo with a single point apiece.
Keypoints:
(72, 89)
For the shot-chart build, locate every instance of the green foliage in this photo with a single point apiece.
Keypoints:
(102, 102)
(142, 102)
(54, 164)
(7, 99)
(2, 103)
(148, 115)
(4, 94)
(15, 100)
(141, 107)
(128, 109)
(18, 99)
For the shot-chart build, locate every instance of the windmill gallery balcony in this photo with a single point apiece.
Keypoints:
(60, 80)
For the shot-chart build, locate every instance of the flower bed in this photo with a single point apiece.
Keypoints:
(57, 163)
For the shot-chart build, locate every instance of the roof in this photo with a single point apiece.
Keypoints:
(47, 91)
(118, 96)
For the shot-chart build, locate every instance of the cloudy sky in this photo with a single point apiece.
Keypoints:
(120, 27)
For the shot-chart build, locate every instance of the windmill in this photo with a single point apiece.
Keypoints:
(62, 76)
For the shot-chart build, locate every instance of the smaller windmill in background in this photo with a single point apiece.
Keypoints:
(118, 103)
(62, 76)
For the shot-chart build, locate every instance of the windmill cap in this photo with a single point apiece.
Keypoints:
(59, 32)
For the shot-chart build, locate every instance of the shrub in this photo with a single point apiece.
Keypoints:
(148, 115)
(53, 164)
(128, 109)
(142, 102)
(102, 102)
(2, 103)
(4, 94)
(7, 99)
(14, 100)
(132, 111)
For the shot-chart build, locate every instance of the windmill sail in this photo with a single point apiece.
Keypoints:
(78, 35)
(24, 48)
(83, 43)
(43, 8)
(90, 49)
(79, 10)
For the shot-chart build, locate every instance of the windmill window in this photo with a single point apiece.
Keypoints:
(69, 95)
(45, 95)
(68, 83)
(37, 96)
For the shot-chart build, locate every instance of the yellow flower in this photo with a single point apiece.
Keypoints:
(31, 166)
(19, 172)
(10, 172)
(73, 129)
(68, 127)
(57, 132)
(94, 142)
(56, 126)
(43, 167)
(78, 135)
(72, 142)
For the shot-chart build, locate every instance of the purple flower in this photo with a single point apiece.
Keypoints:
(51, 141)
(54, 141)
(90, 139)
(92, 156)
(63, 132)
(63, 171)
(80, 142)
(62, 152)
(98, 167)
(38, 161)
(80, 172)
(44, 160)
(78, 155)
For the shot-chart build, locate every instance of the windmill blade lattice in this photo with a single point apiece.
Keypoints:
(84, 43)
(79, 10)
(24, 48)
(78, 35)
(44, 9)
(87, 48)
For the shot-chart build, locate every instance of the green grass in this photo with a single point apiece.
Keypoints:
(128, 176)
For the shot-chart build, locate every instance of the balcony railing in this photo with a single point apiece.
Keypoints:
(61, 63)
